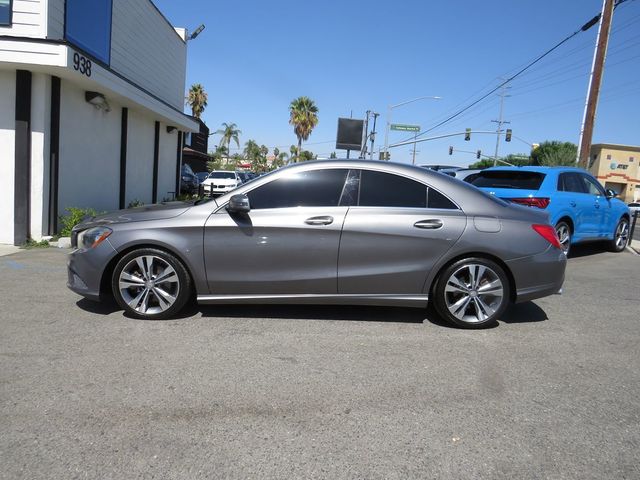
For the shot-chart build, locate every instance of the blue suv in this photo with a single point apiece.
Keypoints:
(579, 208)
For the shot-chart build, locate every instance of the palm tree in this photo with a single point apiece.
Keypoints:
(197, 99)
(303, 115)
(229, 131)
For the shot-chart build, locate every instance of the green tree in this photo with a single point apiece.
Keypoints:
(555, 153)
(303, 115)
(333, 155)
(228, 132)
(518, 159)
(197, 99)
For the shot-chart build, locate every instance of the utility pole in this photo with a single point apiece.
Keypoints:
(372, 135)
(595, 80)
(414, 149)
(363, 151)
(500, 122)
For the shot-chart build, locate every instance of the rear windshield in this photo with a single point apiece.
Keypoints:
(521, 180)
(222, 175)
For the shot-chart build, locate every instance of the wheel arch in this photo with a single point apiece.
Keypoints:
(566, 218)
(484, 255)
(107, 273)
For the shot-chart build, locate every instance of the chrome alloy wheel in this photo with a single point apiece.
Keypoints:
(564, 235)
(473, 293)
(621, 237)
(148, 284)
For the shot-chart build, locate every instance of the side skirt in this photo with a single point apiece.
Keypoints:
(417, 301)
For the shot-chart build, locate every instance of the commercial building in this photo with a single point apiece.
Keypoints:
(91, 109)
(616, 166)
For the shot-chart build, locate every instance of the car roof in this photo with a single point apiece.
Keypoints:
(535, 168)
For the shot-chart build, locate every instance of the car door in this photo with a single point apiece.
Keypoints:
(573, 199)
(287, 243)
(393, 234)
(601, 216)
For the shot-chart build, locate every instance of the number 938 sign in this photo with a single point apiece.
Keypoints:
(81, 64)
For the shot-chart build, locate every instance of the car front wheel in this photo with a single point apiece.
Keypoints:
(472, 293)
(151, 284)
(620, 236)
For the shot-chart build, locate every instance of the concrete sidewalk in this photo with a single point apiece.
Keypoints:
(8, 250)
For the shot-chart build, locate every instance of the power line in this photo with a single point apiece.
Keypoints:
(584, 28)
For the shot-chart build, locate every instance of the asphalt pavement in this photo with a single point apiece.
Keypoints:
(320, 392)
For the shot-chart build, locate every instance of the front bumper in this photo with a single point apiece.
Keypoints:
(86, 267)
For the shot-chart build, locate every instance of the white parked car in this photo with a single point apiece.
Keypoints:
(220, 182)
(634, 207)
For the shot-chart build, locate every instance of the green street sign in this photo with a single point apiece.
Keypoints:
(405, 128)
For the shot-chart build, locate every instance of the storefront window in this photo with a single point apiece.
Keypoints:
(5, 12)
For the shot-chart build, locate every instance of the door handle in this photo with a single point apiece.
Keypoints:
(430, 224)
(322, 220)
(572, 203)
(597, 205)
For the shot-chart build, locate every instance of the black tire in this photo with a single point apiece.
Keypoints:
(151, 284)
(620, 236)
(563, 230)
(469, 303)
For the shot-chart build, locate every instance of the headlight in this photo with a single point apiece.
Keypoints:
(185, 179)
(92, 237)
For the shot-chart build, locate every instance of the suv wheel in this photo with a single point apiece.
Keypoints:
(563, 230)
(620, 236)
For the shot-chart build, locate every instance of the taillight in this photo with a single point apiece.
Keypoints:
(548, 233)
(538, 202)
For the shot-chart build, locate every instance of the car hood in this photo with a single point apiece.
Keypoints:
(158, 211)
(220, 181)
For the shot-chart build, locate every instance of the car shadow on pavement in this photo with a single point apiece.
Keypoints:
(587, 249)
(527, 312)
(317, 312)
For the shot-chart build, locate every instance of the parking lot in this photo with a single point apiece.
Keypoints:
(325, 392)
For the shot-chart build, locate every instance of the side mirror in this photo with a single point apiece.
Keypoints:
(239, 204)
(610, 193)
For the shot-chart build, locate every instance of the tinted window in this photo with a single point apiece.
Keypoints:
(593, 187)
(187, 169)
(516, 179)
(222, 175)
(571, 182)
(438, 200)
(5, 12)
(317, 188)
(379, 189)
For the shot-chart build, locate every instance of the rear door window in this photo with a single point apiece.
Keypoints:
(571, 182)
(514, 179)
(379, 189)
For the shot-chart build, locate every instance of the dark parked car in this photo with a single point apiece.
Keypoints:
(329, 232)
(579, 207)
(202, 176)
(188, 180)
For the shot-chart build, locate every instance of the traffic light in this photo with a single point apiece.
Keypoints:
(467, 134)
(507, 137)
(478, 153)
(450, 150)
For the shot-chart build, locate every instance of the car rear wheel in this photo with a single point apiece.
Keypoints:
(620, 236)
(472, 293)
(151, 284)
(563, 230)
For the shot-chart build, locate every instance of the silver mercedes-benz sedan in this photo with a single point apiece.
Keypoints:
(327, 232)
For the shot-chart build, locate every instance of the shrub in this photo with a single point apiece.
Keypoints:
(74, 217)
(31, 243)
(135, 203)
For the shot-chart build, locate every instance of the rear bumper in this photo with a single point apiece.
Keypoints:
(539, 275)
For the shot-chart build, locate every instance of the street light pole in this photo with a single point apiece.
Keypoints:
(389, 111)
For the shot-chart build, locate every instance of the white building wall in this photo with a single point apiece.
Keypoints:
(167, 163)
(29, 19)
(148, 51)
(89, 171)
(40, 123)
(7, 153)
(140, 143)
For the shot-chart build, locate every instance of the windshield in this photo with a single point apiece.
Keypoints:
(222, 175)
(515, 179)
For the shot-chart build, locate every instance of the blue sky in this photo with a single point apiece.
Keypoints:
(255, 56)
